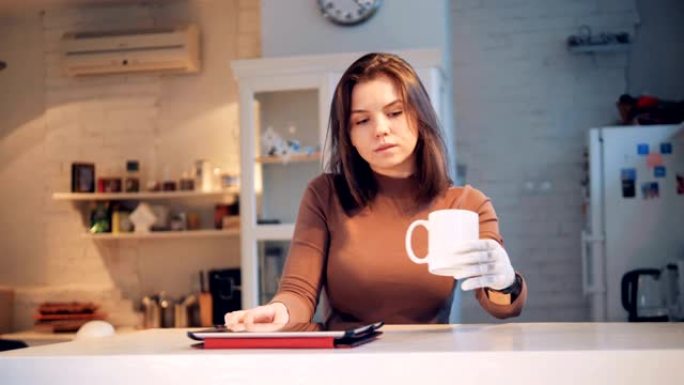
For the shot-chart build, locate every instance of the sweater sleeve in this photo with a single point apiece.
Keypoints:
(475, 200)
(302, 277)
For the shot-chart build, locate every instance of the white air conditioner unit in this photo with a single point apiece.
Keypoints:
(97, 53)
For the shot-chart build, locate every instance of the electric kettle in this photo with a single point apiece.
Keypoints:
(674, 279)
(643, 296)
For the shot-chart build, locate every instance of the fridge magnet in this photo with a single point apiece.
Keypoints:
(680, 184)
(628, 173)
(666, 148)
(659, 172)
(628, 188)
(650, 190)
(628, 177)
(642, 149)
(654, 160)
(655, 190)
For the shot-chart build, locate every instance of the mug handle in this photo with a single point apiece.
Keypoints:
(407, 241)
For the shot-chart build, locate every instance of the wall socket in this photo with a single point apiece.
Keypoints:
(537, 187)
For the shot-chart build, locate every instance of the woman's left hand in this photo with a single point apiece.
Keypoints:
(483, 263)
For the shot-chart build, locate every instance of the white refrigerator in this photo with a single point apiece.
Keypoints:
(635, 209)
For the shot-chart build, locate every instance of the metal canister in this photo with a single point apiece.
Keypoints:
(151, 313)
(182, 311)
(167, 309)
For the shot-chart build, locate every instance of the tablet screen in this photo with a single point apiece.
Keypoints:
(289, 330)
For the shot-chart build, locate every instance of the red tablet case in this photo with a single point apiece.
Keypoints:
(349, 338)
(289, 342)
(269, 343)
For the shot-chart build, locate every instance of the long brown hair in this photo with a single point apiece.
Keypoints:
(354, 181)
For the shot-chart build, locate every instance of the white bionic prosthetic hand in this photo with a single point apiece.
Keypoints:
(483, 263)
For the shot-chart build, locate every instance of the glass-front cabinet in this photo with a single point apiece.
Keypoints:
(284, 110)
(288, 151)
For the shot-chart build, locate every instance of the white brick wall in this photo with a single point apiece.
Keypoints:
(523, 105)
(166, 122)
(658, 56)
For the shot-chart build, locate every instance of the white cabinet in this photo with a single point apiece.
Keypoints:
(290, 96)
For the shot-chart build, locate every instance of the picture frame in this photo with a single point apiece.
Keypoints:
(83, 177)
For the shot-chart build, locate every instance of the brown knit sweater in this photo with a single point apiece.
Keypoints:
(361, 263)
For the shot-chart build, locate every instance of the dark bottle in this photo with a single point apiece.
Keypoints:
(101, 218)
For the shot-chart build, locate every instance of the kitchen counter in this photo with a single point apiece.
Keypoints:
(502, 354)
(35, 338)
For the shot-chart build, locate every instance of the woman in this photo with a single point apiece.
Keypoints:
(387, 168)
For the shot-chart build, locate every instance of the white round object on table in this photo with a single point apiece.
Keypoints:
(95, 329)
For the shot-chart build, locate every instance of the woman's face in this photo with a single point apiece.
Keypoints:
(381, 129)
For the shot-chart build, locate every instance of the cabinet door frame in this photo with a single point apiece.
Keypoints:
(251, 232)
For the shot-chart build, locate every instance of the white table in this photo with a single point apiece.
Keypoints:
(504, 354)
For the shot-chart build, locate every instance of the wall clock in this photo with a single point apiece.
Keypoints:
(348, 12)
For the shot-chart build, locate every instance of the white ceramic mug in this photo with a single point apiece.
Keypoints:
(445, 229)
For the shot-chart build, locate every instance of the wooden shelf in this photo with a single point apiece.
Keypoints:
(209, 233)
(600, 48)
(313, 157)
(283, 232)
(153, 195)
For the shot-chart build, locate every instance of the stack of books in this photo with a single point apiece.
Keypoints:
(64, 317)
